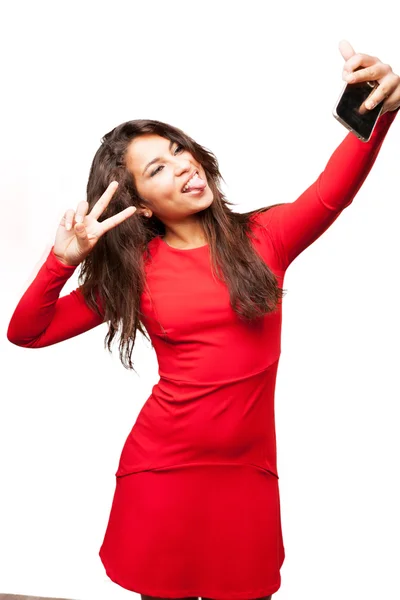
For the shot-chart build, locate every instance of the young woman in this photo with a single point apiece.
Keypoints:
(196, 510)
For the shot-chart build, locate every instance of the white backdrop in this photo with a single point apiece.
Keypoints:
(255, 82)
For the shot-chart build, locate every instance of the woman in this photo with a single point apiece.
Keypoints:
(196, 509)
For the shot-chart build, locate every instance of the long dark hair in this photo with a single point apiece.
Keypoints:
(112, 276)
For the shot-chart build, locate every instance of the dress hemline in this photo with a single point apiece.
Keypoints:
(190, 592)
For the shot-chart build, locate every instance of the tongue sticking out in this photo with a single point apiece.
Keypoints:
(196, 183)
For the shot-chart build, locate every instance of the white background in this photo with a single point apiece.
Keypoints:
(255, 82)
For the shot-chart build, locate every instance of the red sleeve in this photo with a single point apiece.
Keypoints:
(42, 318)
(294, 226)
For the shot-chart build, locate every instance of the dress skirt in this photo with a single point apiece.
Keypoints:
(202, 530)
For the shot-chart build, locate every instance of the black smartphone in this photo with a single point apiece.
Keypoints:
(350, 109)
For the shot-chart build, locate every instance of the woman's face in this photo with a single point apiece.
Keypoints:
(161, 182)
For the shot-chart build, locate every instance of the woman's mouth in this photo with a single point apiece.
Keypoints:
(195, 184)
(195, 192)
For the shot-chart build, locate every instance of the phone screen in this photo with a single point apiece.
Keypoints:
(349, 108)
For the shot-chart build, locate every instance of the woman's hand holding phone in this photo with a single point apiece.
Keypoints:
(363, 67)
(78, 232)
(371, 89)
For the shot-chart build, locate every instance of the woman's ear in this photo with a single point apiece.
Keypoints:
(145, 211)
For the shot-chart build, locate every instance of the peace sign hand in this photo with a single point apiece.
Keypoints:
(78, 232)
(375, 70)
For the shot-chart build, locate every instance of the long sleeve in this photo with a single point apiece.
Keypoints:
(294, 226)
(41, 317)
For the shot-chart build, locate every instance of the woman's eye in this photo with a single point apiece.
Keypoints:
(158, 168)
(155, 171)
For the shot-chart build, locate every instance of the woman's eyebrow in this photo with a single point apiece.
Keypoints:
(156, 159)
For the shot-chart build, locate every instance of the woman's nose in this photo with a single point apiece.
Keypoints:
(182, 167)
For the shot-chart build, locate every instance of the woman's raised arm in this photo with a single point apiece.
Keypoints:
(294, 226)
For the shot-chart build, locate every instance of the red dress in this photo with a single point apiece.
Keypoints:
(196, 509)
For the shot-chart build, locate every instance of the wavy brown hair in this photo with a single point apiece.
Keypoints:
(113, 273)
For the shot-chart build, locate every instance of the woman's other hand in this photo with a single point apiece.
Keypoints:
(78, 232)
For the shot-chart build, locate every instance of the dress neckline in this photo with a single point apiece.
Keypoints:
(166, 245)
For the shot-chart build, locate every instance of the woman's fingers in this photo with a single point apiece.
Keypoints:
(392, 98)
(81, 211)
(71, 217)
(388, 89)
(111, 222)
(374, 72)
(365, 68)
(346, 49)
(81, 234)
(383, 90)
(101, 205)
(103, 201)
(359, 60)
(68, 218)
(77, 219)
